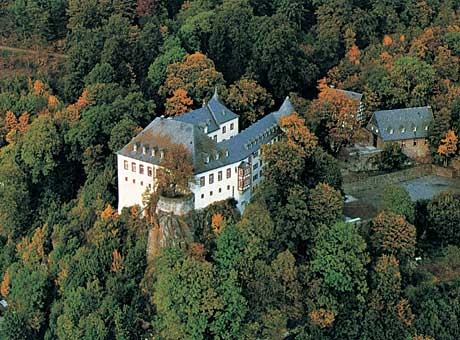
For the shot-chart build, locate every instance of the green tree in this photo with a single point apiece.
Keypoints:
(397, 200)
(444, 217)
(338, 269)
(412, 81)
(41, 146)
(249, 100)
(391, 158)
(230, 40)
(278, 59)
(170, 52)
(185, 296)
(325, 205)
(15, 198)
(196, 74)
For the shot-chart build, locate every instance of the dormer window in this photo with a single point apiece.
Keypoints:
(426, 127)
(135, 147)
(391, 131)
(415, 129)
(205, 129)
(206, 159)
(153, 152)
(226, 153)
(144, 149)
(217, 156)
(162, 154)
(403, 129)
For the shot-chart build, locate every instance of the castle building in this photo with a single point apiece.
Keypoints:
(226, 162)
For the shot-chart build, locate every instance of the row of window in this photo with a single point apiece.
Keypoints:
(142, 183)
(220, 190)
(403, 144)
(224, 128)
(150, 170)
(211, 177)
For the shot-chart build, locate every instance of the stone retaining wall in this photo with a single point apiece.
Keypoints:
(176, 206)
(369, 183)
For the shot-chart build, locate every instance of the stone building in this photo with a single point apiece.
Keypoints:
(407, 127)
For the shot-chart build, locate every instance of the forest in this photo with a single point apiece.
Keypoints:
(80, 78)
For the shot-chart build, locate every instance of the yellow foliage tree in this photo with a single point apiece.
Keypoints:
(117, 261)
(109, 213)
(387, 40)
(5, 287)
(322, 318)
(23, 123)
(448, 146)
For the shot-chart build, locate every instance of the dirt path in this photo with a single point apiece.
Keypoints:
(28, 51)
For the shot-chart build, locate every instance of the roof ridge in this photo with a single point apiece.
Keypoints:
(212, 112)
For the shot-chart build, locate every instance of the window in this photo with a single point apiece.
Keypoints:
(215, 138)
(219, 176)
(236, 169)
(220, 189)
(403, 144)
(142, 183)
(260, 162)
(133, 167)
(224, 129)
(210, 193)
(134, 181)
(141, 169)
(126, 165)
(255, 177)
(415, 143)
(229, 173)
(126, 179)
(255, 166)
(202, 195)
(228, 187)
(232, 126)
(426, 127)
(415, 129)
(202, 181)
(150, 186)
(149, 171)
(403, 130)
(211, 178)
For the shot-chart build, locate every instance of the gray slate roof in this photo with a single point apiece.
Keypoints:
(261, 132)
(161, 133)
(206, 153)
(399, 124)
(212, 114)
(351, 94)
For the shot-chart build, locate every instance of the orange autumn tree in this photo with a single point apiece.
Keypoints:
(298, 133)
(178, 104)
(338, 113)
(217, 223)
(448, 146)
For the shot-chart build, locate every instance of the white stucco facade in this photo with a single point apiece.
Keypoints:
(226, 130)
